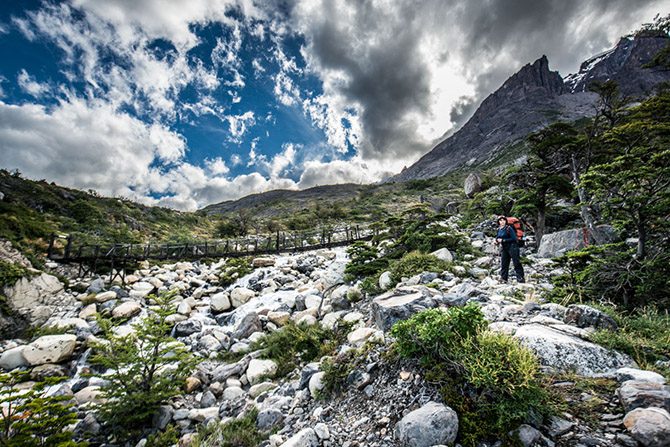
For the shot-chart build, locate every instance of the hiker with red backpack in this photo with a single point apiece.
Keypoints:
(508, 239)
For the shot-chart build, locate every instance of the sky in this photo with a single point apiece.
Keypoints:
(186, 103)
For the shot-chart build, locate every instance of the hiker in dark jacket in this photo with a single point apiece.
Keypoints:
(507, 239)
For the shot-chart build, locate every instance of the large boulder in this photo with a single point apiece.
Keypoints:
(250, 323)
(401, 303)
(557, 244)
(50, 349)
(586, 316)
(638, 394)
(13, 358)
(563, 352)
(433, 424)
(37, 298)
(240, 296)
(650, 426)
(304, 438)
(472, 185)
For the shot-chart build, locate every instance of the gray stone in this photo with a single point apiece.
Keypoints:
(306, 374)
(316, 384)
(586, 316)
(249, 324)
(400, 304)
(304, 438)
(96, 286)
(260, 369)
(188, 327)
(650, 426)
(559, 426)
(528, 435)
(13, 358)
(559, 243)
(163, 417)
(635, 394)
(564, 352)
(208, 399)
(430, 425)
(233, 393)
(472, 184)
(269, 418)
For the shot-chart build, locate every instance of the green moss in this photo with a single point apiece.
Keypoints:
(10, 273)
(295, 344)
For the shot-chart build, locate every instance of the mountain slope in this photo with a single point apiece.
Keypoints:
(535, 97)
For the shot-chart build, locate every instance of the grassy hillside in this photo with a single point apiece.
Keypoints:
(32, 210)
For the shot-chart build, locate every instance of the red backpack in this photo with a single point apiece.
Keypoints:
(518, 228)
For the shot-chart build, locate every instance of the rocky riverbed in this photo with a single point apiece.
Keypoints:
(386, 402)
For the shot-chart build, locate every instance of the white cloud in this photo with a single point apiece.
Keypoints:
(217, 166)
(239, 124)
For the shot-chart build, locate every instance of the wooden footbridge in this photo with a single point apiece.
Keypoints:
(117, 257)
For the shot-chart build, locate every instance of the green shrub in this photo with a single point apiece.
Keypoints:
(491, 381)
(10, 273)
(643, 334)
(436, 333)
(33, 418)
(611, 273)
(147, 368)
(294, 344)
(414, 263)
(233, 269)
(239, 432)
(166, 438)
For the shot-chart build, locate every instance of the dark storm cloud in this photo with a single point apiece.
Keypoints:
(378, 53)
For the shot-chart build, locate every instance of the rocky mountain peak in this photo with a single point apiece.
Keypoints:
(536, 75)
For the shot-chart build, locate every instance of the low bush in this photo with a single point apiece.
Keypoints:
(414, 263)
(491, 381)
(294, 344)
(643, 334)
(146, 368)
(238, 432)
(32, 417)
(10, 273)
(234, 269)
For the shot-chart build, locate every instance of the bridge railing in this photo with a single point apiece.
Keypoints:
(241, 246)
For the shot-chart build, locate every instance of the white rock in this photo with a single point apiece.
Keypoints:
(260, 388)
(443, 254)
(432, 424)
(359, 336)
(30, 291)
(69, 323)
(220, 302)
(307, 320)
(385, 280)
(316, 383)
(260, 369)
(233, 392)
(88, 311)
(279, 318)
(304, 438)
(88, 394)
(184, 308)
(202, 414)
(322, 431)
(313, 301)
(50, 349)
(126, 310)
(13, 358)
(240, 296)
(105, 296)
(640, 375)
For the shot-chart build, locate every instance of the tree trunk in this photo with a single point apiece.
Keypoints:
(539, 227)
(584, 209)
(641, 240)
